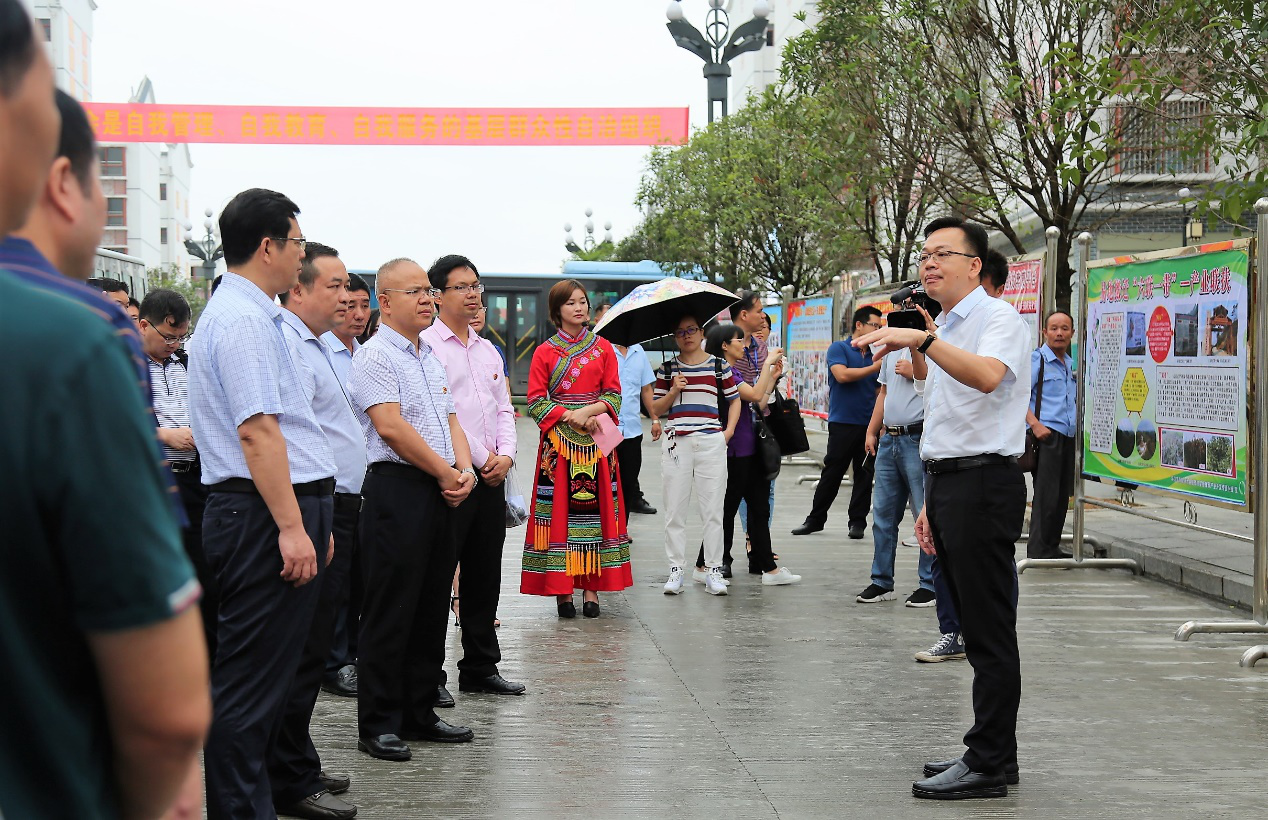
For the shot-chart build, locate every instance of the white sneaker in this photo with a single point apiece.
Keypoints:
(779, 577)
(701, 575)
(714, 583)
(674, 585)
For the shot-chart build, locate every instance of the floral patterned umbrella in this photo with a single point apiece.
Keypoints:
(654, 310)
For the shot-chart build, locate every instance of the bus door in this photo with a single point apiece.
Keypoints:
(511, 324)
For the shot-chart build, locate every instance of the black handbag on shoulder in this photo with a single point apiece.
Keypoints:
(786, 424)
(1028, 461)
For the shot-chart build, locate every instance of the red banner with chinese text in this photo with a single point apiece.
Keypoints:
(300, 125)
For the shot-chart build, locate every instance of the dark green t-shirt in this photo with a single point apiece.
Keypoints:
(88, 543)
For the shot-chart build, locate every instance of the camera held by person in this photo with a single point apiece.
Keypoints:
(909, 297)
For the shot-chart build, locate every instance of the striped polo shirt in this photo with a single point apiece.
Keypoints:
(171, 401)
(695, 410)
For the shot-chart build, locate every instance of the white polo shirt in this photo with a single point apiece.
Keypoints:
(961, 420)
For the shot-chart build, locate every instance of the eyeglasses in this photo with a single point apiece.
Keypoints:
(876, 325)
(478, 287)
(687, 332)
(941, 256)
(413, 293)
(303, 243)
(171, 340)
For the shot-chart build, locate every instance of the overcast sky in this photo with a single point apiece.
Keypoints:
(503, 207)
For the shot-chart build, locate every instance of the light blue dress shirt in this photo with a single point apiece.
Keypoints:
(342, 356)
(1058, 390)
(635, 372)
(241, 365)
(332, 406)
(903, 405)
(386, 370)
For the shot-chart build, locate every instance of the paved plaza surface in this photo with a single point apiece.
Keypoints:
(797, 702)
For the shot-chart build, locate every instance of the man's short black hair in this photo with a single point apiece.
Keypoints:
(863, 314)
(17, 46)
(1057, 312)
(749, 300)
(162, 304)
(307, 271)
(215, 283)
(975, 235)
(356, 284)
(114, 286)
(77, 142)
(995, 269)
(249, 218)
(439, 272)
(132, 302)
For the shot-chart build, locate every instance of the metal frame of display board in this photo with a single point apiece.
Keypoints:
(1078, 561)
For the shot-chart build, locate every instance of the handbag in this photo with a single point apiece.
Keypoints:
(516, 505)
(767, 451)
(786, 424)
(1028, 461)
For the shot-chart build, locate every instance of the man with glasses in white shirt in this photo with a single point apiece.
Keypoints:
(976, 497)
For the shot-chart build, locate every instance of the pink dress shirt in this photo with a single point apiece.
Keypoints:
(478, 386)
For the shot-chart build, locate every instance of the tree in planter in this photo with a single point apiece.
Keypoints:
(741, 202)
(173, 278)
(1027, 94)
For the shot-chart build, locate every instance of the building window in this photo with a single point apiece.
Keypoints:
(114, 162)
(162, 236)
(1153, 142)
(116, 212)
(162, 191)
(46, 28)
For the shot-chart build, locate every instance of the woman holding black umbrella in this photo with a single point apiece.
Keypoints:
(576, 535)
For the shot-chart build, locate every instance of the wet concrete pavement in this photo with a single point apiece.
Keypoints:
(797, 702)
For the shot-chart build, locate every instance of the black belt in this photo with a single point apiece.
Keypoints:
(395, 469)
(347, 502)
(190, 466)
(934, 466)
(910, 430)
(322, 486)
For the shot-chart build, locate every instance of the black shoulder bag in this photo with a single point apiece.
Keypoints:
(1029, 458)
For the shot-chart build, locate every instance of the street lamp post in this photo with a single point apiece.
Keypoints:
(207, 248)
(719, 45)
(1192, 229)
(587, 242)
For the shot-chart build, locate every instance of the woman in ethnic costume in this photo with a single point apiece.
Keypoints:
(576, 535)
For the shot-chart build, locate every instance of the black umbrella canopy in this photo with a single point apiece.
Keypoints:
(655, 309)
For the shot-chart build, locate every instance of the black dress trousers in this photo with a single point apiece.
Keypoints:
(629, 455)
(1054, 482)
(194, 494)
(294, 765)
(262, 625)
(976, 518)
(479, 533)
(408, 560)
(845, 448)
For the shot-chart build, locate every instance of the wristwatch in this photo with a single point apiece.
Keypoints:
(929, 339)
(473, 473)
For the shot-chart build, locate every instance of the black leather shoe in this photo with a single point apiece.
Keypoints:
(343, 683)
(384, 747)
(590, 609)
(492, 685)
(856, 531)
(444, 700)
(1011, 774)
(441, 732)
(335, 783)
(320, 806)
(959, 782)
(726, 570)
(807, 528)
(642, 507)
(567, 609)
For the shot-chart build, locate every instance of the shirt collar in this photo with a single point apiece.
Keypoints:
(445, 333)
(336, 344)
(401, 342)
(962, 310)
(1051, 355)
(297, 324)
(242, 285)
(17, 250)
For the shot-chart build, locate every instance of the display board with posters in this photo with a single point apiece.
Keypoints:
(1024, 290)
(808, 335)
(1166, 372)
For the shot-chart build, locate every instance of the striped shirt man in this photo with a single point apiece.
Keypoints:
(171, 401)
(387, 371)
(696, 408)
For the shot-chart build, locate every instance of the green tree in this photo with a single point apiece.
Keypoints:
(173, 278)
(742, 202)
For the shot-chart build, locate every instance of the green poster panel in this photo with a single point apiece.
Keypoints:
(1165, 396)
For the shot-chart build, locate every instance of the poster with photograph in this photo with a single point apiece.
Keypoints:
(775, 314)
(809, 333)
(1024, 290)
(1166, 372)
